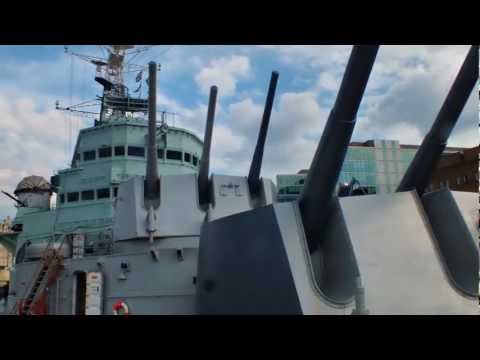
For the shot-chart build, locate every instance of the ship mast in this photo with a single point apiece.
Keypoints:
(115, 100)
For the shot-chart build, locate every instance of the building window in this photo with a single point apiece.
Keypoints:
(476, 176)
(88, 195)
(89, 155)
(72, 197)
(105, 152)
(461, 180)
(160, 153)
(119, 150)
(195, 160)
(62, 198)
(174, 155)
(103, 193)
(136, 151)
(187, 157)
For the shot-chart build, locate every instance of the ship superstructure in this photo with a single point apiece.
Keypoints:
(140, 227)
(106, 154)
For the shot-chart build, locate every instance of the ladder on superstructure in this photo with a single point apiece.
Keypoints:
(49, 269)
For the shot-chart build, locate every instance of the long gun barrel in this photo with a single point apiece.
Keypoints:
(316, 196)
(203, 193)
(256, 166)
(14, 199)
(152, 180)
(423, 164)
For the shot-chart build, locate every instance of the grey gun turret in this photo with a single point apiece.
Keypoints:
(372, 254)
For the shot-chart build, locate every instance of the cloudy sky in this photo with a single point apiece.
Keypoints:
(404, 93)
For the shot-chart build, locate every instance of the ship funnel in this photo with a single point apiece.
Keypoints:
(152, 181)
(203, 189)
(423, 164)
(327, 163)
(256, 166)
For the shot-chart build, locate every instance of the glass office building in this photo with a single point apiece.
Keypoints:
(378, 165)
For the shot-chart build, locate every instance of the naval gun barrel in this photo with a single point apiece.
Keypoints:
(255, 167)
(203, 193)
(152, 180)
(423, 164)
(316, 196)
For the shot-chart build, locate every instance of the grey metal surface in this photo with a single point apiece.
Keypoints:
(179, 213)
(302, 264)
(468, 204)
(243, 268)
(400, 267)
(335, 266)
(231, 195)
(457, 247)
(148, 287)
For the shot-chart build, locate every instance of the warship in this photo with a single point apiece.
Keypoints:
(142, 227)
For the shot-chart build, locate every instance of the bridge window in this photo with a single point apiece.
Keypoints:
(115, 191)
(88, 195)
(103, 193)
(105, 152)
(187, 157)
(89, 155)
(62, 198)
(72, 196)
(174, 155)
(160, 153)
(195, 160)
(136, 151)
(119, 150)
(77, 156)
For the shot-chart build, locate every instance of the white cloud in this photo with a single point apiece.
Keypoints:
(419, 80)
(225, 148)
(314, 56)
(328, 82)
(223, 72)
(31, 142)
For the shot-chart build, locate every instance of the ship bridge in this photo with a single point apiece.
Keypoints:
(110, 153)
